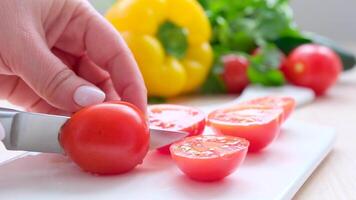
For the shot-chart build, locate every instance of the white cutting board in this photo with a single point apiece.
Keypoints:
(276, 173)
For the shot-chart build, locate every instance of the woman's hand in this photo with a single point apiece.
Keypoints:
(57, 56)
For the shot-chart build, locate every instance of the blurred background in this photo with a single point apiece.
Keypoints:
(333, 18)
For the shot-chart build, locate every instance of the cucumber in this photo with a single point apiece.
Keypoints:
(348, 59)
(287, 43)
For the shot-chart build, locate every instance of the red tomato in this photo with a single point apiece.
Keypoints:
(259, 125)
(209, 157)
(108, 138)
(313, 66)
(176, 118)
(235, 73)
(285, 103)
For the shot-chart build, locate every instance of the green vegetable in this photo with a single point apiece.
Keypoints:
(288, 43)
(348, 59)
(264, 67)
(214, 83)
(156, 100)
(173, 39)
(240, 26)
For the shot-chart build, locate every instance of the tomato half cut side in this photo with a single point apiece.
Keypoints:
(209, 157)
(286, 103)
(176, 118)
(260, 126)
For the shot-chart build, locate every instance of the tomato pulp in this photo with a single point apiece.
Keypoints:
(209, 157)
(285, 103)
(176, 118)
(258, 124)
(108, 138)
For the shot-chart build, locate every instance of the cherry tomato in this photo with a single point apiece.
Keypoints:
(313, 66)
(108, 138)
(235, 73)
(285, 103)
(257, 124)
(176, 118)
(209, 157)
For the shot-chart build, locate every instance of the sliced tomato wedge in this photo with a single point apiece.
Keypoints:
(209, 157)
(257, 124)
(285, 103)
(177, 118)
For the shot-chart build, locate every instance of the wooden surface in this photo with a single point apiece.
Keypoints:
(335, 178)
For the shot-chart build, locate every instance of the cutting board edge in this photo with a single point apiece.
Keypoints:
(293, 189)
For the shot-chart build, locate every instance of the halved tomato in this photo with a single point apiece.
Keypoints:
(257, 124)
(285, 103)
(209, 157)
(177, 118)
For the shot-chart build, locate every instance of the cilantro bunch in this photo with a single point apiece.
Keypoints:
(240, 26)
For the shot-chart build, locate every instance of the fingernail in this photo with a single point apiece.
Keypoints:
(88, 95)
(2, 132)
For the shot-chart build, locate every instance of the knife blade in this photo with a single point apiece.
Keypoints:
(36, 132)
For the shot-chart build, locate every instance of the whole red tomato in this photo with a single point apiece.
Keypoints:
(313, 66)
(235, 73)
(108, 138)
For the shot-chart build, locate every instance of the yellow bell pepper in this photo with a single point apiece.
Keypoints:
(169, 40)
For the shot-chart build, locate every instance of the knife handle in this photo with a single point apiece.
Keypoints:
(6, 116)
(8, 110)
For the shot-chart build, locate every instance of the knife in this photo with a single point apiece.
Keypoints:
(36, 132)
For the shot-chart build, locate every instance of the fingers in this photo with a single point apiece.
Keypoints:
(5, 70)
(92, 34)
(111, 53)
(94, 74)
(52, 80)
(68, 59)
(17, 92)
(43, 107)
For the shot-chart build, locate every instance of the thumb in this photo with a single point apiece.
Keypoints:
(52, 80)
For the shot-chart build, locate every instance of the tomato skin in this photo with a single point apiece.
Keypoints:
(210, 168)
(235, 73)
(176, 118)
(108, 138)
(260, 126)
(286, 103)
(313, 66)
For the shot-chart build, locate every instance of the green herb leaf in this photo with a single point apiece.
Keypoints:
(173, 39)
(156, 100)
(269, 78)
(264, 67)
(239, 26)
(214, 83)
